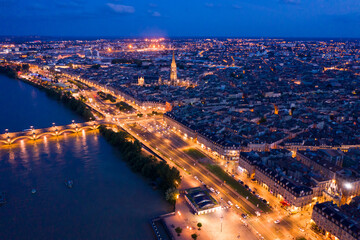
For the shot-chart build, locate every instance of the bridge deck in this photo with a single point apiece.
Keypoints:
(28, 134)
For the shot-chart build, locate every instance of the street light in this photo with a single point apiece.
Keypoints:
(348, 185)
(33, 131)
(7, 135)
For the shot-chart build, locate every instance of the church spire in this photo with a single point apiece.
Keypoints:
(173, 74)
(173, 59)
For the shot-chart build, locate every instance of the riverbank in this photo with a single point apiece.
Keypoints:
(9, 71)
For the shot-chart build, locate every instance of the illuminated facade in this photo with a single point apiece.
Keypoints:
(141, 81)
(335, 223)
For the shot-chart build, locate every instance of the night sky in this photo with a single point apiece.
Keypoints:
(176, 18)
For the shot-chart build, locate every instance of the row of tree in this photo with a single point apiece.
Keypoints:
(138, 62)
(8, 71)
(166, 177)
(124, 107)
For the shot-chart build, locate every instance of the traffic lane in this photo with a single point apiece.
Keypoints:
(180, 155)
(189, 162)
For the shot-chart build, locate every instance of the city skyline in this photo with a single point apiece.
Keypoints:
(205, 119)
(275, 18)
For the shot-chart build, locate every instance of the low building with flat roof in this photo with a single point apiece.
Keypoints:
(201, 201)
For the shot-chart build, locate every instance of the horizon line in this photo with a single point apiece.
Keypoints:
(175, 37)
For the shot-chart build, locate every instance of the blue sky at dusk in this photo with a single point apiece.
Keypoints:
(170, 18)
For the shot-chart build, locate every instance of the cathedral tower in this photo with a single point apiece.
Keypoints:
(173, 74)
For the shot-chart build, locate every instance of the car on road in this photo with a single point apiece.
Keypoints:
(230, 203)
(241, 182)
(277, 221)
(244, 216)
(237, 206)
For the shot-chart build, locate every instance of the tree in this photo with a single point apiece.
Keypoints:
(262, 120)
(178, 230)
(194, 236)
(199, 225)
(95, 66)
(171, 195)
(25, 67)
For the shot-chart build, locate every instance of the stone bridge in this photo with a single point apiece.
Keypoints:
(34, 134)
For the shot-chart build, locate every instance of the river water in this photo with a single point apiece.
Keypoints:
(107, 200)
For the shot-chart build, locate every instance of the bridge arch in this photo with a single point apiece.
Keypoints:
(34, 136)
